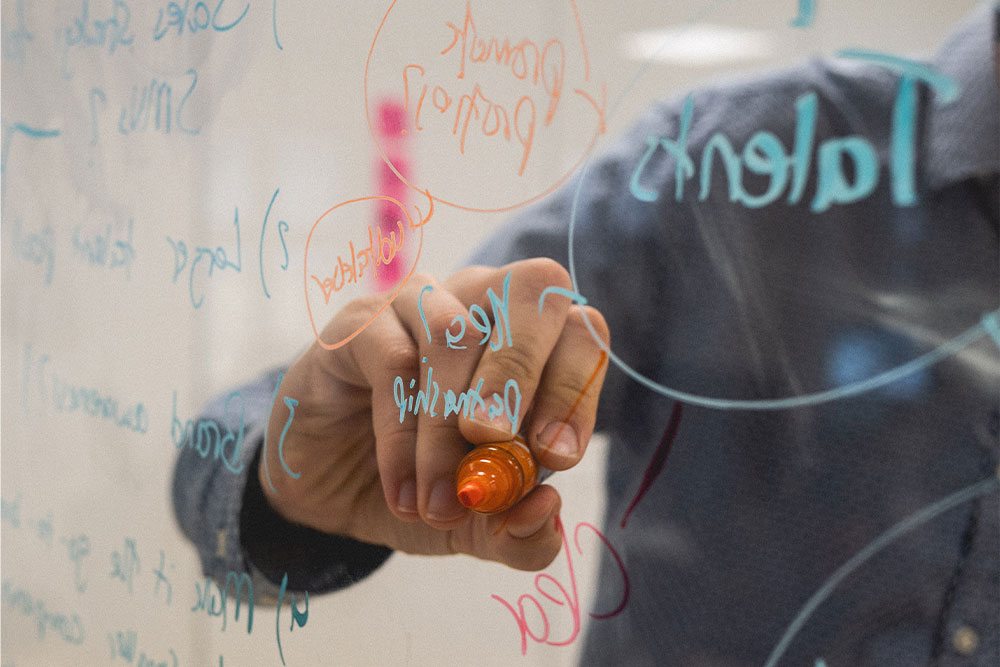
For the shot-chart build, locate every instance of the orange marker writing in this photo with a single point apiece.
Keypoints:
(495, 477)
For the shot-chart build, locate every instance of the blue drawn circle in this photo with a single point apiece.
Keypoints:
(990, 323)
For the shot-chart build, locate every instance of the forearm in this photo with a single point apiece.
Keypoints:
(221, 508)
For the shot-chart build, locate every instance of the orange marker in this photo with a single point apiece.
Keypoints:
(495, 477)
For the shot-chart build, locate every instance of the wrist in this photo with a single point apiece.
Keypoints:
(313, 560)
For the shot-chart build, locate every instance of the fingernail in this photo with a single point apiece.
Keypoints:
(499, 422)
(560, 438)
(407, 500)
(443, 504)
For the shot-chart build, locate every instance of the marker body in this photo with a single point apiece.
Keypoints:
(495, 477)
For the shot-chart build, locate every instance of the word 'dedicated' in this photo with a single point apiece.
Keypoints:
(381, 251)
(489, 93)
(336, 259)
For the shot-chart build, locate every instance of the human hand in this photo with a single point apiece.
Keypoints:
(374, 469)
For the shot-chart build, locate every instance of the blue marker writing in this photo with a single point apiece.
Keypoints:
(125, 564)
(193, 19)
(274, 24)
(213, 599)
(806, 15)
(15, 129)
(69, 628)
(210, 438)
(765, 155)
(15, 41)
(161, 578)
(98, 250)
(290, 403)
(35, 247)
(298, 617)
(77, 549)
(155, 102)
(282, 228)
(217, 259)
(110, 33)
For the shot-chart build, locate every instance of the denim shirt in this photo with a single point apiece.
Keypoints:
(826, 318)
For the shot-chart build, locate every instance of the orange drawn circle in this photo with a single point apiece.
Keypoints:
(392, 297)
(598, 130)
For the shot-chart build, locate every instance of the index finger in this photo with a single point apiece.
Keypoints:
(518, 341)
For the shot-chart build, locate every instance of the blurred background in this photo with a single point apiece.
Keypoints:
(165, 164)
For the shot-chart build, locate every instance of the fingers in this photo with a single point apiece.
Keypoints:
(565, 406)
(475, 360)
(386, 356)
(526, 537)
(550, 369)
(431, 314)
(518, 349)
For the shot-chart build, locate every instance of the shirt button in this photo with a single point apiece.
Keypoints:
(965, 640)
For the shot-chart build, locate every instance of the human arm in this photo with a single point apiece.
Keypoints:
(306, 525)
(384, 474)
(222, 510)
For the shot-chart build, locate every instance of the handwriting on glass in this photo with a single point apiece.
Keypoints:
(764, 153)
(564, 597)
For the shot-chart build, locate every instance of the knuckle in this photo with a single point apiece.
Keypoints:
(442, 322)
(518, 363)
(538, 273)
(399, 358)
(469, 274)
(419, 280)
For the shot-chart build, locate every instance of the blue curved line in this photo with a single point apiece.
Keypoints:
(989, 324)
(260, 254)
(420, 309)
(290, 403)
(34, 132)
(571, 295)
(706, 11)
(906, 525)
(267, 428)
(26, 130)
(806, 15)
(274, 24)
(949, 89)
(710, 8)
(941, 352)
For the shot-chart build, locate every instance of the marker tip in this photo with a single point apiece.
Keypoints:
(471, 494)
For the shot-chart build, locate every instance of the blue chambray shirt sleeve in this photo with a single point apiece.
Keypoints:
(222, 510)
(208, 496)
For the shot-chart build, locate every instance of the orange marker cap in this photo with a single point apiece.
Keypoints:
(492, 478)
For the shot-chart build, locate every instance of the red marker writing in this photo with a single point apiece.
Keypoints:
(495, 477)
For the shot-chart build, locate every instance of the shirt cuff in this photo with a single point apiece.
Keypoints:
(312, 560)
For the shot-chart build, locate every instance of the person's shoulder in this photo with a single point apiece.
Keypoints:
(741, 106)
